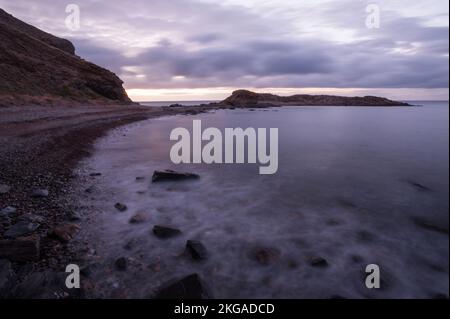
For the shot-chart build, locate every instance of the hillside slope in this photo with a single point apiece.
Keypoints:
(39, 68)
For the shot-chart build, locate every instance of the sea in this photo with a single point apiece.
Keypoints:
(355, 186)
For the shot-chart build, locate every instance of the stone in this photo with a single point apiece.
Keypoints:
(121, 264)
(169, 175)
(8, 210)
(120, 207)
(65, 232)
(265, 255)
(95, 174)
(420, 187)
(138, 218)
(22, 250)
(196, 249)
(165, 232)
(40, 193)
(4, 188)
(140, 178)
(190, 287)
(21, 228)
(318, 262)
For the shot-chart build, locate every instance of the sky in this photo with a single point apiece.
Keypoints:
(203, 49)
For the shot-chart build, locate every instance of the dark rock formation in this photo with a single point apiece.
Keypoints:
(165, 232)
(196, 249)
(37, 68)
(169, 175)
(190, 287)
(244, 98)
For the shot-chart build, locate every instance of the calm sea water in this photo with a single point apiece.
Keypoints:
(354, 186)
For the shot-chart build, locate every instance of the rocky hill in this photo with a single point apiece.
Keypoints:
(252, 99)
(39, 68)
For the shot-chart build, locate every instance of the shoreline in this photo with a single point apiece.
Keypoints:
(40, 147)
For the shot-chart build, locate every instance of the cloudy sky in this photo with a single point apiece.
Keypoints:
(203, 49)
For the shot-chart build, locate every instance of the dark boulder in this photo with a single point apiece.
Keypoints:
(165, 232)
(169, 175)
(196, 249)
(190, 287)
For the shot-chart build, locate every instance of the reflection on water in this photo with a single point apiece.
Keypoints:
(354, 186)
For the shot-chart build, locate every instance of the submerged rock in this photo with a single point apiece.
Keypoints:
(265, 255)
(138, 218)
(318, 262)
(169, 175)
(120, 207)
(420, 187)
(121, 264)
(196, 249)
(21, 228)
(95, 174)
(165, 232)
(425, 224)
(190, 287)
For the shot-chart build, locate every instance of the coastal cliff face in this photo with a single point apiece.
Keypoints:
(37, 68)
(252, 99)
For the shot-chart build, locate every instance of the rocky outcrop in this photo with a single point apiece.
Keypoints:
(244, 98)
(39, 68)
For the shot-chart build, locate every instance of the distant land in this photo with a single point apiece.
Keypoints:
(38, 68)
(252, 99)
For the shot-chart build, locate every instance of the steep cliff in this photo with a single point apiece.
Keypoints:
(39, 68)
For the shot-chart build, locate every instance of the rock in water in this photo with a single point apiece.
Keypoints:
(318, 262)
(4, 188)
(265, 255)
(138, 218)
(121, 264)
(169, 175)
(22, 250)
(21, 228)
(120, 207)
(190, 287)
(165, 232)
(196, 249)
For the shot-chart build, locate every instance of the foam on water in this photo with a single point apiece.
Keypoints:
(346, 190)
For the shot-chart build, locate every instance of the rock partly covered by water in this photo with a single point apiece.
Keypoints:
(40, 69)
(244, 98)
(169, 175)
(190, 287)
